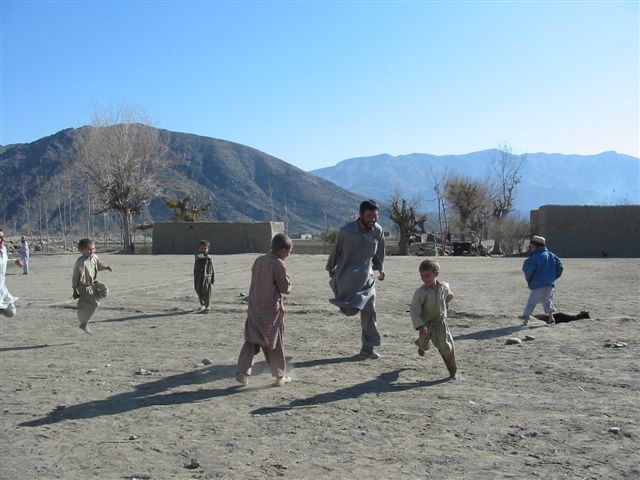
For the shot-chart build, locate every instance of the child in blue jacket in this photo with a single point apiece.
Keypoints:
(541, 270)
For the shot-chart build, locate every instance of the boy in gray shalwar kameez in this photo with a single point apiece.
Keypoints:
(86, 289)
(356, 253)
(429, 315)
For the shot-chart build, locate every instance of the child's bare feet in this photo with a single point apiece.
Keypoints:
(453, 376)
(242, 378)
(85, 328)
(280, 381)
(421, 352)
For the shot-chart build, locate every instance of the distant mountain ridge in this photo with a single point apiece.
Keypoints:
(547, 178)
(243, 183)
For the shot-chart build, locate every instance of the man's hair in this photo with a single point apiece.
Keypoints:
(206, 243)
(84, 243)
(368, 205)
(280, 241)
(429, 265)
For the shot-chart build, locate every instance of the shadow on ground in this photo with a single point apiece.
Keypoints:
(384, 383)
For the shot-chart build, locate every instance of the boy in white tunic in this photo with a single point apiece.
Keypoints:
(7, 301)
(429, 313)
(86, 288)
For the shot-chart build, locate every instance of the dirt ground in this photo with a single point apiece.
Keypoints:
(562, 405)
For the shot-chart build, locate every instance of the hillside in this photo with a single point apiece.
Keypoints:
(39, 187)
(606, 178)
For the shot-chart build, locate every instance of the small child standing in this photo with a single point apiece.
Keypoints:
(24, 255)
(203, 276)
(86, 289)
(429, 313)
(264, 327)
(541, 270)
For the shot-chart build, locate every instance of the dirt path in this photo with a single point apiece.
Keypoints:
(543, 409)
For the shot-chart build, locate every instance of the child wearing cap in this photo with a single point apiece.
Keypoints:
(541, 270)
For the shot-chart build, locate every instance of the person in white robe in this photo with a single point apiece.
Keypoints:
(24, 255)
(7, 301)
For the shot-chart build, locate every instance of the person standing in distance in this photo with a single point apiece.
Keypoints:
(358, 251)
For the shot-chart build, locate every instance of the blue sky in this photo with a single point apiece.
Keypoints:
(316, 82)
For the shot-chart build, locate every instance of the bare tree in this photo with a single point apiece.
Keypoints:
(439, 188)
(469, 198)
(182, 210)
(507, 168)
(122, 160)
(514, 232)
(25, 198)
(403, 215)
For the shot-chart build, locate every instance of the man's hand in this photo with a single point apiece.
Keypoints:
(381, 276)
(423, 332)
(109, 268)
(75, 295)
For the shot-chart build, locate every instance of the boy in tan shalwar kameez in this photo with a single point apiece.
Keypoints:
(86, 288)
(429, 313)
(264, 327)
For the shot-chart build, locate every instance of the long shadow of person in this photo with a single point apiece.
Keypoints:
(146, 395)
(143, 315)
(30, 347)
(326, 361)
(384, 383)
(489, 334)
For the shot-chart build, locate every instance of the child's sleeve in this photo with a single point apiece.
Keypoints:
(448, 297)
(416, 310)
(101, 266)
(75, 277)
(559, 267)
(283, 284)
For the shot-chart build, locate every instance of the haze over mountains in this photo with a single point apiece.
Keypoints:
(243, 183)
(37, 184)
(547, 178)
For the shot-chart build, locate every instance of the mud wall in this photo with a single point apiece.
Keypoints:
(225, 237)
(589, 231)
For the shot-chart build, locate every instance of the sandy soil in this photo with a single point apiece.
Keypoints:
(74, 406)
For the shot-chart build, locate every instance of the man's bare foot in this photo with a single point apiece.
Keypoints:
(453, 376)
(85, 328)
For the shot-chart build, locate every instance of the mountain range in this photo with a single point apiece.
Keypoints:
(38, 184)
(38, 181)
(603, 179)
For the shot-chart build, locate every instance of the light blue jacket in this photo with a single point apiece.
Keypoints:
(542, 268)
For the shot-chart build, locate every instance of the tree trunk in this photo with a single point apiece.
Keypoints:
(127, 231)
(497, 243)
(403, 243)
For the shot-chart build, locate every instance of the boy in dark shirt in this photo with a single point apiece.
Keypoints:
(203, 276)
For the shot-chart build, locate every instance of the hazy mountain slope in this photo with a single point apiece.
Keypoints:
(605, 178)
(243, 183)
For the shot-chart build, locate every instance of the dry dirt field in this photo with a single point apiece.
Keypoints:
(560, 406)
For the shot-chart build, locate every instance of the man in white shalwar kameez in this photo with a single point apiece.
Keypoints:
(7, 301)
(356, 253)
